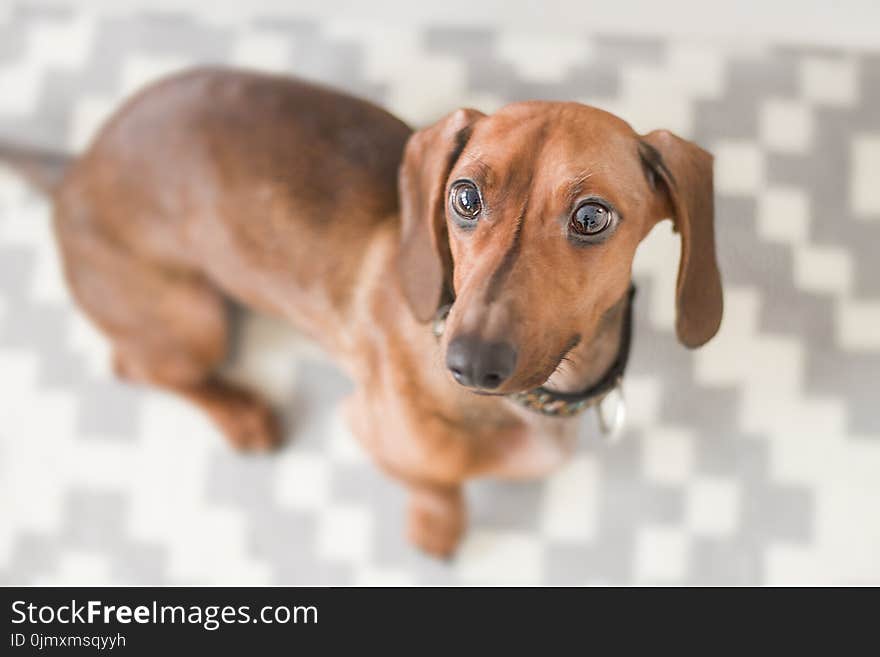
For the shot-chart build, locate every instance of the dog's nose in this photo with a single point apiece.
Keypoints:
(478, 364)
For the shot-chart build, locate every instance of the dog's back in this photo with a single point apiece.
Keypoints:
(212, 184)
(248, 179)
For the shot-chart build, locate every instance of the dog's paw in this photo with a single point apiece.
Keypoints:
(249, 424)
(435, 525)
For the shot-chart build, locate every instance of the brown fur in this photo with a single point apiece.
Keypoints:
(284, 196)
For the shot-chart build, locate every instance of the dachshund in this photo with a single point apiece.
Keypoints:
(473, 278)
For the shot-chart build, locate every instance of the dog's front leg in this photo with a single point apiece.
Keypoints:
(436, 518)
(436, 515)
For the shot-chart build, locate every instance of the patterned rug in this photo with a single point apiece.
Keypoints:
(754, 460)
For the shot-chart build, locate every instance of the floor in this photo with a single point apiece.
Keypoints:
(754, 460)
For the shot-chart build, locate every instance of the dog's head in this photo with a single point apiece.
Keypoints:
(532, 217)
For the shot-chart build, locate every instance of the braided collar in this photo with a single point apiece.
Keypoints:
(567, 404)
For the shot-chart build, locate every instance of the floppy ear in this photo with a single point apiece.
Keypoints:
(682, 172)
(425, 263)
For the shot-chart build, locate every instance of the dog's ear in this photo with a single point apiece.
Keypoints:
(425, 261)
(682, 172)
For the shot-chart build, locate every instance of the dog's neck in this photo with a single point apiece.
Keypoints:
(588, 362)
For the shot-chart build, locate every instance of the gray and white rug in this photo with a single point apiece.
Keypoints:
(753, 460)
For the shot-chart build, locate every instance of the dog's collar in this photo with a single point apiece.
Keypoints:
(565, 404)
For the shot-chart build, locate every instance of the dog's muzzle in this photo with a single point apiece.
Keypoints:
(606, 395)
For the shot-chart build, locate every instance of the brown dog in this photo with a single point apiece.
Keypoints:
(285, 196)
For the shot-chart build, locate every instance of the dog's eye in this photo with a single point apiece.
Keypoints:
(591, 218)
(466, 200)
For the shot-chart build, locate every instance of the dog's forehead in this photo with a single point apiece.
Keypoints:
(551, 146)
(561, 132)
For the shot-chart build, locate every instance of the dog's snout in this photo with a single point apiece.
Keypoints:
(478, 364)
